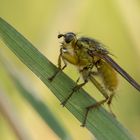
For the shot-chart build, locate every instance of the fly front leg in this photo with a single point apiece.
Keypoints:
(60, 68)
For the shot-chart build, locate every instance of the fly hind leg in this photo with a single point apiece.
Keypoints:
(110, 101)
(93, 106)
(99, 103)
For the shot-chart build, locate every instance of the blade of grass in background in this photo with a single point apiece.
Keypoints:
(35, 102)
(99, 122)
(9, 112)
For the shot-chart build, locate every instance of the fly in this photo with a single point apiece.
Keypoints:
(91, 58)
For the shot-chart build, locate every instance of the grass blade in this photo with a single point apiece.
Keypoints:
(99, 122)
(41, 108)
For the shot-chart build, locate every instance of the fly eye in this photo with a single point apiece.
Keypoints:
(69, 37)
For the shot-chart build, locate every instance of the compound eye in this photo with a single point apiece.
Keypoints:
(69, 37)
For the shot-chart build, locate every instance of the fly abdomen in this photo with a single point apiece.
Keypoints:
(108, 75)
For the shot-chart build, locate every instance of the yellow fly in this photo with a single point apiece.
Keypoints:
(91, 58)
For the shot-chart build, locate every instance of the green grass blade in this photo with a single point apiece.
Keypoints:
(36, 103)
(99, 122)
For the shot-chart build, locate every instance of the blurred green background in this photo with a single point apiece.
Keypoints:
(114, 22)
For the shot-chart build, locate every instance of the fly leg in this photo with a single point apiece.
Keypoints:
(85, 73)
(75, 89)
(93, 106)
(60, 68)
(97, 104)
(54, 75)
(110, 101)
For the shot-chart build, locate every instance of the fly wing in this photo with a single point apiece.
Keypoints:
(121, 71)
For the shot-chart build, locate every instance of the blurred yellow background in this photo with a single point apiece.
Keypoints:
(116, 23)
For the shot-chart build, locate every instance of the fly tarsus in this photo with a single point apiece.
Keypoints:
(107, 100)
(93, 106)
(75, 89)
(66, 100)
(54, 75)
